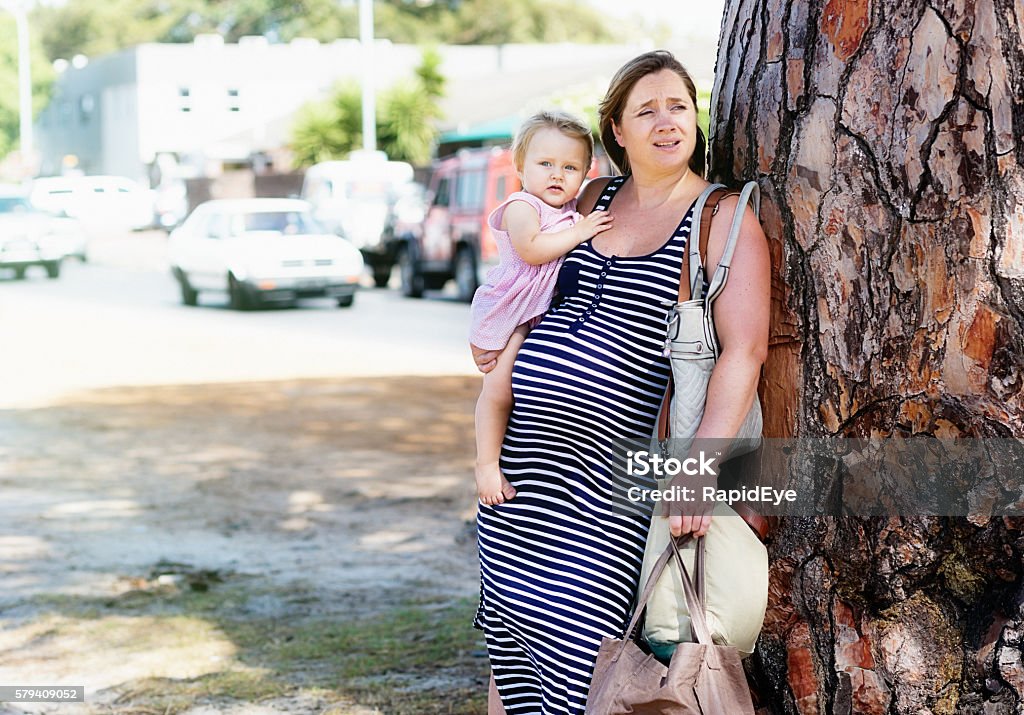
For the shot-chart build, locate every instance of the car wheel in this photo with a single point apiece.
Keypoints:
(346, 301)
(52, 269)
(465, 274)
(381, 275)
(412, 279)
(238, 296)
(189, 295)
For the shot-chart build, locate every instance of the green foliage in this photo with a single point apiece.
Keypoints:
(406, 115)
(704, 110)
(429, 73)
(329, 129)
(93, 28)
(42, 81)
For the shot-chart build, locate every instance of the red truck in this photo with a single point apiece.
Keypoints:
(453, 240)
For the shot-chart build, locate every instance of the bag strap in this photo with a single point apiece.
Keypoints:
(692, 269)
(699, 627)
(750, 193)
(694, 604)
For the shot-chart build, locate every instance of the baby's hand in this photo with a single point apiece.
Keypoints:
(593, 224)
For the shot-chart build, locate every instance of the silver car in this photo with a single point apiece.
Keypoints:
(34, 238)
(261, 251)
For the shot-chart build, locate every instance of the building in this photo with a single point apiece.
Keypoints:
(208, 104)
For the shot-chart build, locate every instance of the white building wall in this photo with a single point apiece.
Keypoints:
(140, 108)
(120, 133)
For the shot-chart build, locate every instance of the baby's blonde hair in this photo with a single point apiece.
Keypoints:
(562, 121)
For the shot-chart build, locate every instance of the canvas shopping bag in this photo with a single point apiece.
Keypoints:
(701, 679)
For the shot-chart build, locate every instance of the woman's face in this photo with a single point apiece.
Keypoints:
(658, 128)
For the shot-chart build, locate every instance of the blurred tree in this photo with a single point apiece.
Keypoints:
(42, 81)
(91, 28)
(329, 129)
(406, 118)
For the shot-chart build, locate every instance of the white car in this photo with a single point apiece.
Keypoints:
(100, 202)
(33, 238)
(261, 250)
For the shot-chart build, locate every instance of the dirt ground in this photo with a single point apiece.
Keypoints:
(298, 546)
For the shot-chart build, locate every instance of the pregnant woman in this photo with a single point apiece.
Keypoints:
(559, 566)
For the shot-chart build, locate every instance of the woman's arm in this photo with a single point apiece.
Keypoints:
(741, 315)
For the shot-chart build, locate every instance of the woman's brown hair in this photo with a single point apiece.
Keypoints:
(614, 103)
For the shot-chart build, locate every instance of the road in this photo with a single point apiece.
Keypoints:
(137, 453)
(118, 321)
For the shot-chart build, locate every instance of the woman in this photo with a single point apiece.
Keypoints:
(559, 566)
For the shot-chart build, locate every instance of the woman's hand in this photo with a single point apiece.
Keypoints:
(697, 524)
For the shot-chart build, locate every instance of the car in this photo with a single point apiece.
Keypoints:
(29, 237)
(99, 202)
(360, 199)
(452, 240)
(261, 251)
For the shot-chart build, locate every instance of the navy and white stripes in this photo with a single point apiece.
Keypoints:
(559, 568)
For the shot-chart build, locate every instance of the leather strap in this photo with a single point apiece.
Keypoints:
(761, 525)
(704, 232)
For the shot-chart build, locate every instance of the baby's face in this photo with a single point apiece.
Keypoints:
(554, 166)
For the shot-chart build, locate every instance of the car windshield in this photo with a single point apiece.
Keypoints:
(10, 204)
(286, 222)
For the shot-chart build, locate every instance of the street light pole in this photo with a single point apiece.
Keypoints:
(369, 95)
(24, 78)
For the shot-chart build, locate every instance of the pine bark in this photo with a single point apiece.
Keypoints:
(887, 137)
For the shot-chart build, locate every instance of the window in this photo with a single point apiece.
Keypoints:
(184, 99)
(216, 227)
(233, 103)
(441, 197)
(86, 105)
(470, 190)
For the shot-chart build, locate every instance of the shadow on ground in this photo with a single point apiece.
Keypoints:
(300, 546)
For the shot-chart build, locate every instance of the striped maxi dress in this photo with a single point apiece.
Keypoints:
(559, 568)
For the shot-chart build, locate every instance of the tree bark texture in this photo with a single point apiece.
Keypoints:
(888, 141)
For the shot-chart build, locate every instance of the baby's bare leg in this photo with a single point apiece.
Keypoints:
(492, 411)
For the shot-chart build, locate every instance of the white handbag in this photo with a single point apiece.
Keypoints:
(691, 340)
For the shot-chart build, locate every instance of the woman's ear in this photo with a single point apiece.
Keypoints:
(617, 133)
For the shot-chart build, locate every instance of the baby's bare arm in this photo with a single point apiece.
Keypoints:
(534, 247)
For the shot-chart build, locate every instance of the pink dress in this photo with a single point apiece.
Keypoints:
(515, 292)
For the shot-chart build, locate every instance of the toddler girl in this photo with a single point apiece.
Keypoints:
(533, 229)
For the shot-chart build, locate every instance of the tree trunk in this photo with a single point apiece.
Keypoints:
(888, 140)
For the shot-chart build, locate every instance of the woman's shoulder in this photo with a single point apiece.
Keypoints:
(588, 197)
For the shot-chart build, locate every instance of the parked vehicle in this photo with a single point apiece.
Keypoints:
(359, 199)
(29, 237)
(453, 240)
(100, 202)
(260, 251)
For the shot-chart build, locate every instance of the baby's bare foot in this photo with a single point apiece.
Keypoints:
(507, 490)
(491, 486)
(488, 483)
